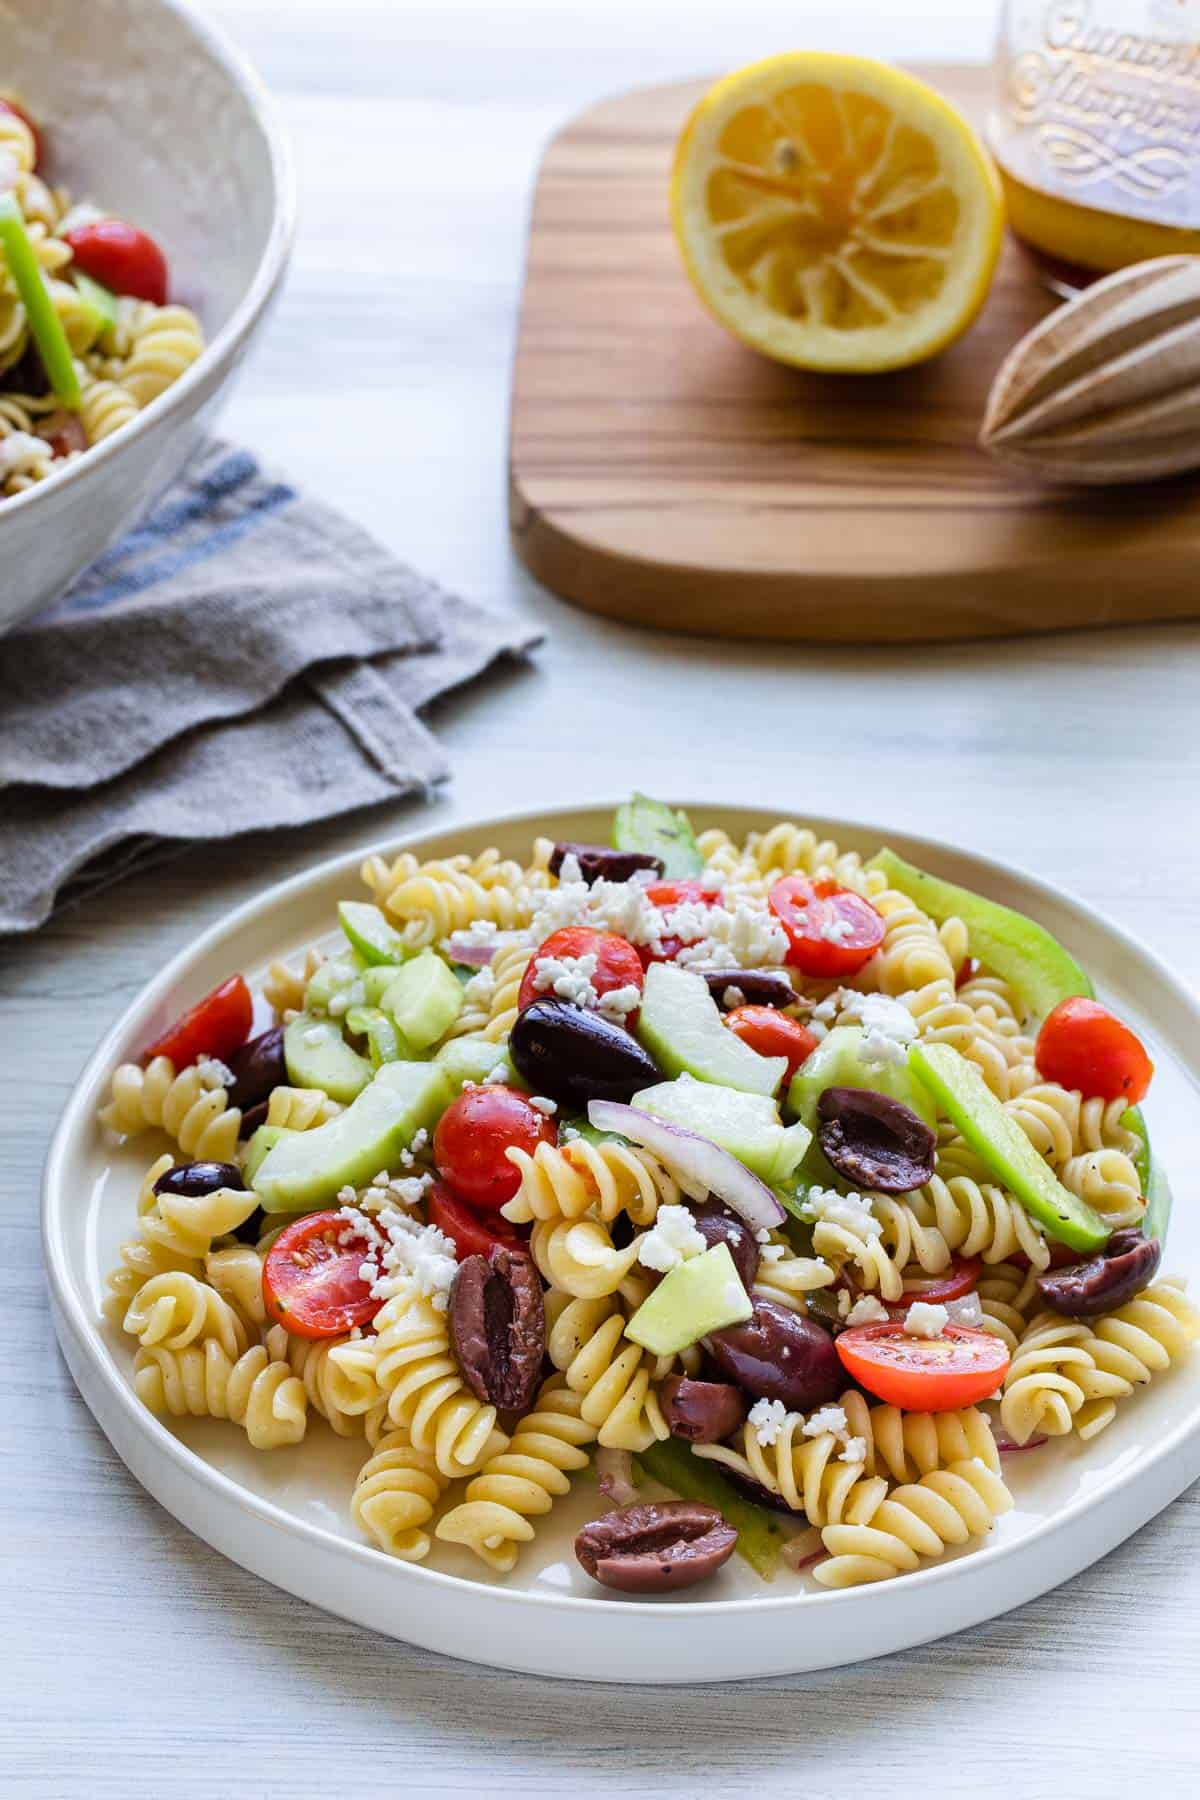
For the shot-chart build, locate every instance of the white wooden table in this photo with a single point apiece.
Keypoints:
(135, 1661)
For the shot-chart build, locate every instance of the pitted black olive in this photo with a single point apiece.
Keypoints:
(874, 1141)
(257, 1067)
(253, 1118)
(656, 1548)
(731, 988)
(498, 1327)
(1123, 1268)
(198, 1178)
(701, 1412)
(598, 863)
(776, 1355)
(576, 1056)
(718, 1225)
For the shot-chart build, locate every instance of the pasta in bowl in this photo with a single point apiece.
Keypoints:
(159, 145)
(537, 1180)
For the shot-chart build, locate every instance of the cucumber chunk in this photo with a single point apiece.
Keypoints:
(680, 1025)
(369, 932)
(340, 978)
(425, 999)
(650, 825)
(474, 1059)
(384, 1043)
(305, 1170)
(1035, 965)
(261, 1143)
(703, 1294)
(376, 981)
(317, 1056)
(838, 1061)
(747, 1125)
(962, 1094)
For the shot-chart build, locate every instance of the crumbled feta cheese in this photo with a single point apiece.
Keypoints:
(570, 870)
(867, 1310)
(831, 1419)
(570, 977)
(888, 1027)
(420, 1141)
(772, 1253)
(543, 1105)
(389, 1190)
(495, 1077)
(480, 989)
(762, 1235)
(855, 1450)
(618, 1003)
(672, 1240)
(479, 931)
(402, 1253)
(767, 1419)
(835, 930)
(747, 934)
(925, 1320)
(214, 1073)
(732, 998)
(850, 1211)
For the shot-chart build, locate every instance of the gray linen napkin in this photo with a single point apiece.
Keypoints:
(244, 658)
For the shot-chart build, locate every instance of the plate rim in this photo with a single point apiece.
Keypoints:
(67, 1305)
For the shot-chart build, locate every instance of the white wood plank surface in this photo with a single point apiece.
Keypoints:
(135, 1661)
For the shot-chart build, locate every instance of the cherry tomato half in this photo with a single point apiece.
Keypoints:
(11, 106)
(1082, 1045)
(618, 964)
(474, 1132)
(831, 930)
(121, 257)
(216, 1026)
(773, 1033)
(311, 1282)
(924, 1374)
(471, 1234)
(962, 1277)
(668, 894)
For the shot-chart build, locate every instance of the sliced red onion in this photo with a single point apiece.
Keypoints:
(614, 1471)
(798, 1553)
(703, 1166)
(1008, 1446)
(464, 949)
(966, 1310)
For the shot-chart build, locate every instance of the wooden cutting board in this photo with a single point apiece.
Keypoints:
(663, 474)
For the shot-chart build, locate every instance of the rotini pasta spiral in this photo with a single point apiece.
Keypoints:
(168, 343)
(974, 1219)
(578, 1256)
(523, 1481)
(909, 1445)
(809, 1474)
(439, 900)
(283, 989)
(586, 1340)
(1109, 1183)
(194, 1111)
(235, 1271)
(300, 1109)
(1132, 1345)
(508, 972)
(1061, 1124)
(417, 1373)
(1005, 1294)
(338, 1376)
(176, 1308)
(578, 1177)
(945, 1508)
(1052, 1374)
(139, 1262)
(204, 1381)
(104, 407)
(788, 1279)
(912, 954)
(847, 1237)
(396, 1495)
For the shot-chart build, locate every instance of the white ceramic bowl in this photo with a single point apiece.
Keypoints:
(149, 112)
(286, 1515)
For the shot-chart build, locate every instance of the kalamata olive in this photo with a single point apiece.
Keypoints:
(703, 1412)
(598, 863)
(750, 987)
(776, 1355)
(251, 1229)
(655, 1548)
(199, 1178)
(873, 1140)
(718, 1225)
(754, 1490)
(498, 1327)
(253, 1118)
(257, 1068)
(576, 1056)
(1123, 1268)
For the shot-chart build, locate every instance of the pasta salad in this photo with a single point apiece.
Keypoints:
(88, 335)
(781, 1190)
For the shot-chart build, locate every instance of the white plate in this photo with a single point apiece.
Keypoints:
(286, 1515)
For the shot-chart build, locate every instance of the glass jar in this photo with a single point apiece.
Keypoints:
(1097, 127)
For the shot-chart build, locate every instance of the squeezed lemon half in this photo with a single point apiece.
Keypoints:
(835, 213)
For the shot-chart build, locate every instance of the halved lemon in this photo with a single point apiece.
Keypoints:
(836, 213)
